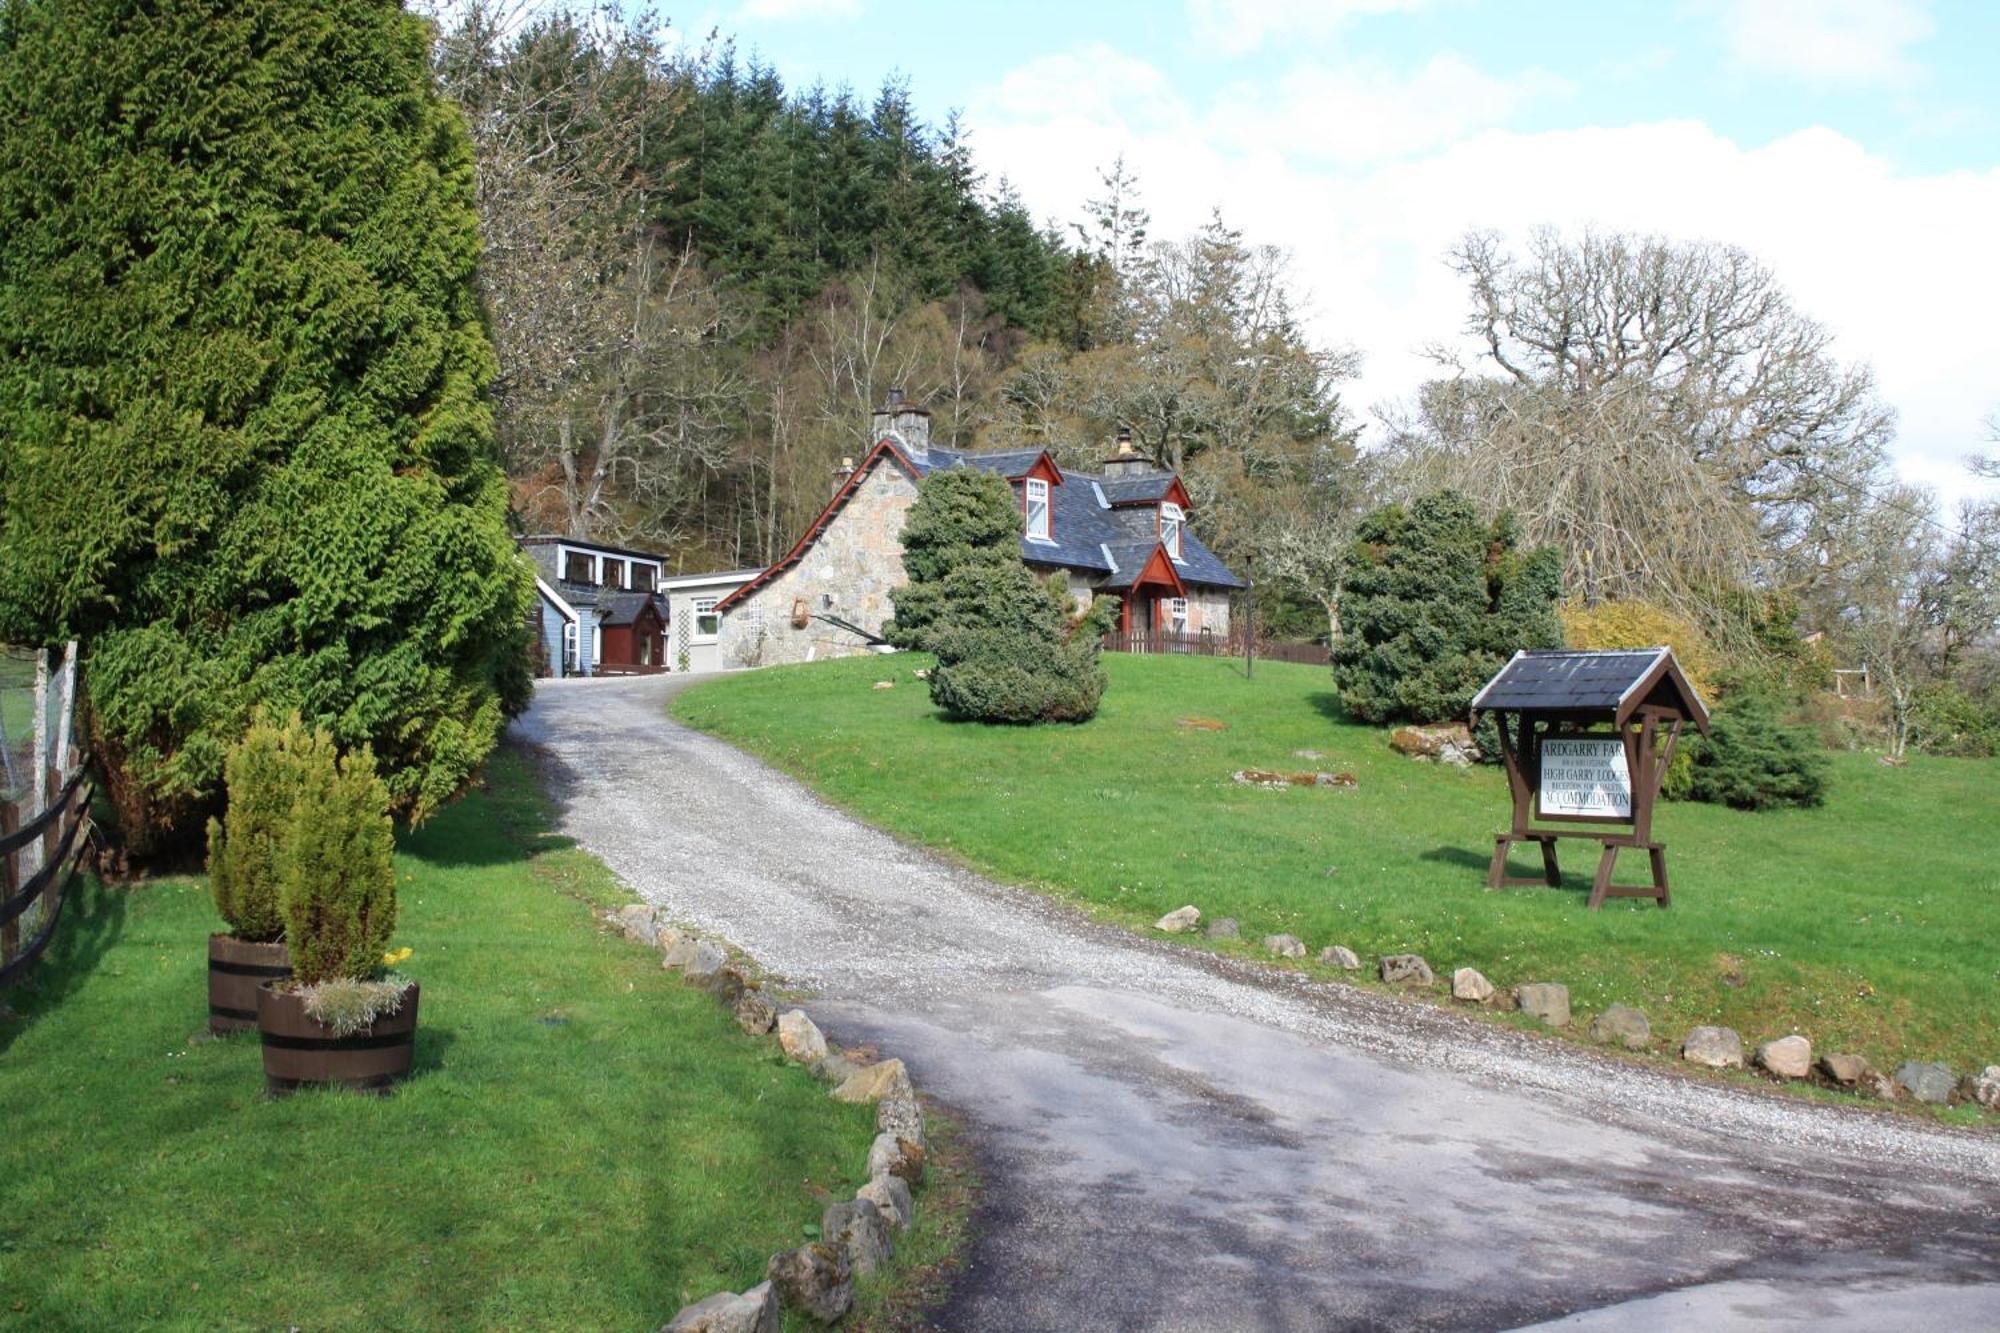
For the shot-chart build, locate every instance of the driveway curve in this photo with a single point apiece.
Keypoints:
(1174, 1141)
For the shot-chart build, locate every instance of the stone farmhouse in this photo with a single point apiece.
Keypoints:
(1122, 532)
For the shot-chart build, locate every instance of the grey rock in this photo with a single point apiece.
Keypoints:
(681, 952)
(815, 1279)
(894, 1155)
(1881, 1085)
(1180, 920)
(1309, 754)
(755, 1014)
(706, 960)
(1406, 969)
(1927, 1082)
(727, 983)
(1340, 956)
(1469, 983)
(1284, 946)
(800, 1037)
(1849, 1071)
(755, 1311)
(901, 1114)
(872, 1083)
(891, 1196)
(885, 684)
(1718, 1048)
(836, 1067)
(859, 1225)
(640, 923)
(668, 936)
(1623, 1023)
(1787, 1057)
(1984, 1087)
(1546, 1000)
(1224, 928)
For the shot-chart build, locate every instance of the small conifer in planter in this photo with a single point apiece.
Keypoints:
(344, 1018)
(262, 775)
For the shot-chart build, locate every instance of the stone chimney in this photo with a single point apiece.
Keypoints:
(1128, 461)
(910, 424)
(842, 473)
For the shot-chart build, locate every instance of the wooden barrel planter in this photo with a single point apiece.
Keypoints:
(299, 1050)
(236, 968)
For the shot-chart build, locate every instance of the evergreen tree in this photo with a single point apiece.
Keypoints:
(1435, 602)
(1007, 647)
(244, 447)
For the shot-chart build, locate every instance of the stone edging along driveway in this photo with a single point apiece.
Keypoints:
(1173, 1139)
(857, 1236)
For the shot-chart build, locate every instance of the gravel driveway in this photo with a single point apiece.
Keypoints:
(1177, 1142)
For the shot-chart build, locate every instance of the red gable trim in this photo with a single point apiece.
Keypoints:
(1042, 469)
(1159, 570)
(884, 448)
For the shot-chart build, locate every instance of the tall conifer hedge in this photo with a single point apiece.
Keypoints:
(244, 446)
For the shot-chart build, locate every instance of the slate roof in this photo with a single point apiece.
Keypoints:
(622, 608)
(1148, 486)
(1577, 681)
(1082, 522)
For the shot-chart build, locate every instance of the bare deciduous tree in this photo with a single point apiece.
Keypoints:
(1659, 411)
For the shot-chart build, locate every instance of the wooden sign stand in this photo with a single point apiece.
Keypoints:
(1646, 702)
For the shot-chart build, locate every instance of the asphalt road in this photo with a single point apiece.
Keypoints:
(1177, 1142)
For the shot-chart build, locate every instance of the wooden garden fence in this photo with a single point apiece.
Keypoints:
(1205, 644)
(44, 800)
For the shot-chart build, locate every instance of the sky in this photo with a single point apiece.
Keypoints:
(1852, 146)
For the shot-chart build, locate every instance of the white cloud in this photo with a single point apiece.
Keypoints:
(1899, 267)
(1365, 112)
(1235, 27)
(1844, 41)
(781, 10)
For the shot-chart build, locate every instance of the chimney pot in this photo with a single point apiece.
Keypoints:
(895, 397)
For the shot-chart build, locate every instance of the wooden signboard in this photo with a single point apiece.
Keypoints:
(1586, 738)
(1584, 777)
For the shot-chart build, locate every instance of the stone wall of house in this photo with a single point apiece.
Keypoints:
(848, 573)
(1081, 590)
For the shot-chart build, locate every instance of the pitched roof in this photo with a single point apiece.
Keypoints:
(1082, 520)
(622, 608)
(1611, 682)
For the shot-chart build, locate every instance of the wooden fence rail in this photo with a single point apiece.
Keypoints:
(45, 822)
(1205, 644)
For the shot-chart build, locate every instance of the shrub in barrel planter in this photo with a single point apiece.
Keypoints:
(344, 1018)
(262, 774)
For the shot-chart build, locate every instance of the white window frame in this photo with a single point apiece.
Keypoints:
(571, 663)
(704, 608)
(1036, 491)
(589, 564)
(596, 647)
(1172, 519)
(1177, 614)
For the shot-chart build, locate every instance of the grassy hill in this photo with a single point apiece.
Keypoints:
(1867, 925)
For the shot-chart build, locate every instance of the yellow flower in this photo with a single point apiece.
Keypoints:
(396, 956)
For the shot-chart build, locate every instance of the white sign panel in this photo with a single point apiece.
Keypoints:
(1585, 777)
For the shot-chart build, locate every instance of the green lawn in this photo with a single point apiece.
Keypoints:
(586, 1144)
(1869, 924)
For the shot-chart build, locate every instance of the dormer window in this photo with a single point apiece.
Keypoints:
(1036, 499)
(1171, 519)
(577, 568)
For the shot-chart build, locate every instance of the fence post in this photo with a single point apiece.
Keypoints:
(10, 880)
